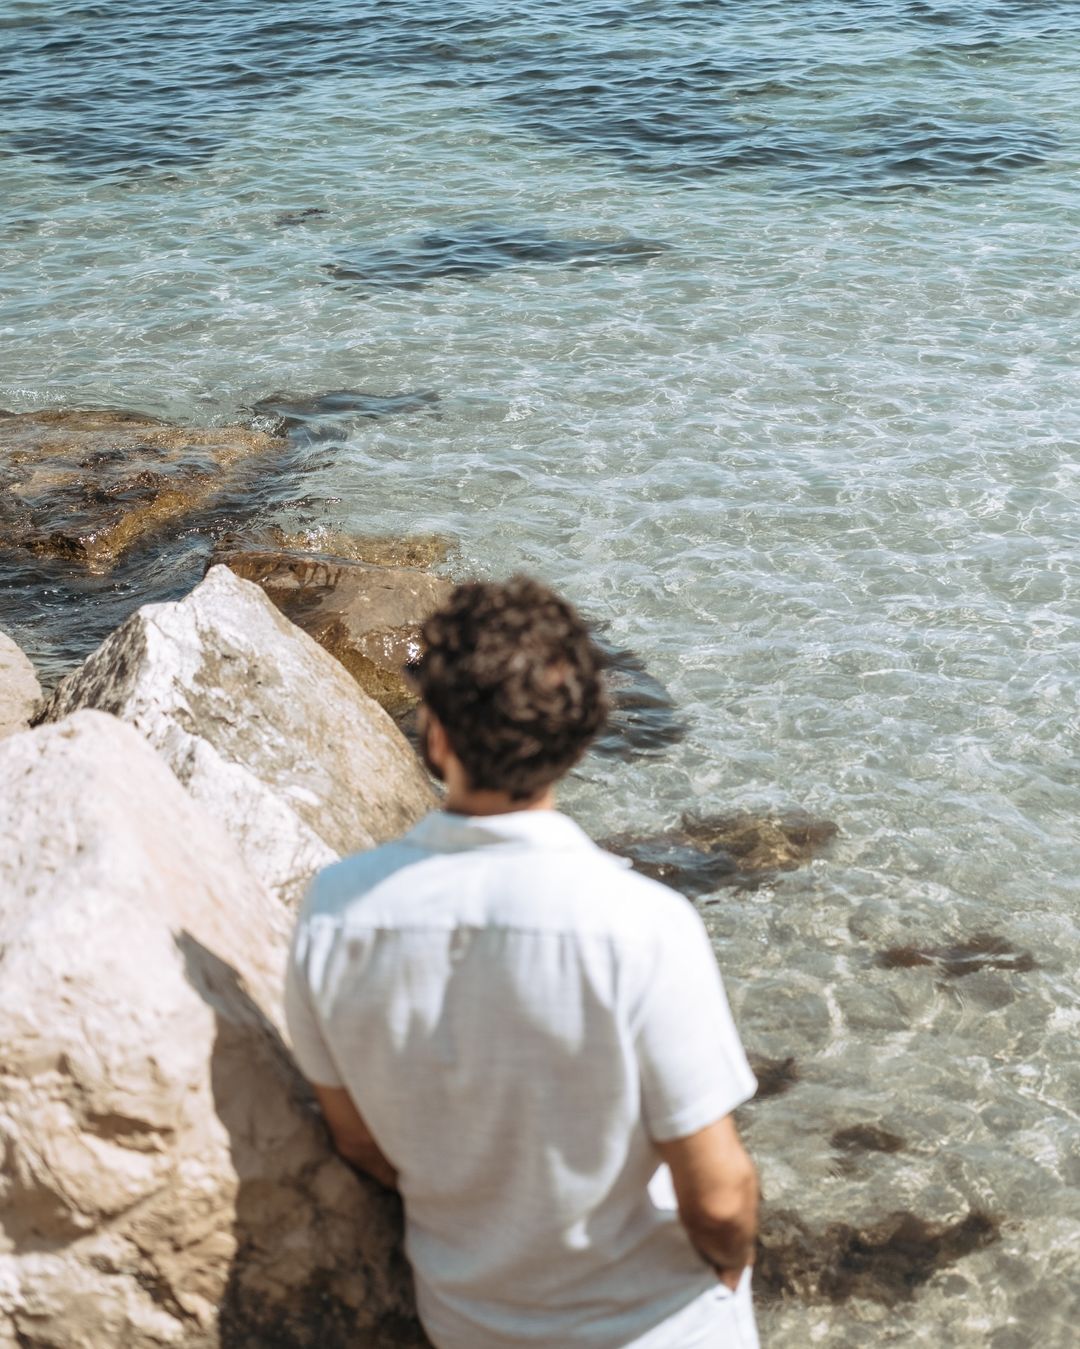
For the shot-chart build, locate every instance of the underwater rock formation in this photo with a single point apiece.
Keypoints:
(744, 849)
(983, 951)
(885, 1261)
(469, 254)
(88, 485)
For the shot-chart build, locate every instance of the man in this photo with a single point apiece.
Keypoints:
(528, 1039)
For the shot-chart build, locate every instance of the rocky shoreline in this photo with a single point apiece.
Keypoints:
(164, 1179)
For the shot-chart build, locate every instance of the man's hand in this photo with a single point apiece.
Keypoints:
(717, 1190)
(351, 1136)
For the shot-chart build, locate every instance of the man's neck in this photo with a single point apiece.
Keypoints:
(469, 802)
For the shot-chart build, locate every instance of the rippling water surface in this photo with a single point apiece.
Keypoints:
(753, 327)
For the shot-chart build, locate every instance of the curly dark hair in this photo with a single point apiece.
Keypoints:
(514, 678)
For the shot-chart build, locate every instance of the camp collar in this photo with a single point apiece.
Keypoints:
(545, 830)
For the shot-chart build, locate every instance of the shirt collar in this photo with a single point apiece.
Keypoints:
(545, 830)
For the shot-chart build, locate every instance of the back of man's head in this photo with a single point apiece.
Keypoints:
(515, 680)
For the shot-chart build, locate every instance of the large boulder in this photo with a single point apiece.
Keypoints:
(164, 1180)
(20, 691)
(261, 725)
(367, 616)
(87, 485)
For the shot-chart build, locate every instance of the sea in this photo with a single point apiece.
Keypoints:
(752, 327)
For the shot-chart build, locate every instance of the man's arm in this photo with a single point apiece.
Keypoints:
(351, 1136)
(717, 1190)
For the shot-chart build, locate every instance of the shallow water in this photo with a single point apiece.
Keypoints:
(815, 461)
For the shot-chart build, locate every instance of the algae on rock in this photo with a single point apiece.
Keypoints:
(88, 485)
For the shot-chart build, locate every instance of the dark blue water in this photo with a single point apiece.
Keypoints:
(679, 90)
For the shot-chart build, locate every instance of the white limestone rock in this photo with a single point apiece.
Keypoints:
(262, 726)
(20, 691)
(164, 1180)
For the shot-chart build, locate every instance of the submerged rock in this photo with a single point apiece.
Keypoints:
(983, 951)
(415, 551)
(298, 217)
(367, 617)
(703, 854)
(20, 691)
(774, 1076)
(472, 253)
(325, 416)
(163, 1179)
(885, 1261)
(261, 725)
(643, 718)
(87, 485)
(763, 843)
(866, 1138)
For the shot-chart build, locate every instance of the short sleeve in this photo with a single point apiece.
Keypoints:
(692, 1065)
(309, 1045)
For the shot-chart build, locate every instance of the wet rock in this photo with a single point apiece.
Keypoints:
(472, 253)
(774, 1076)
(704, 854)
(20, 691)
(866, 1138)
(367, 617)
(261, 725)
(163, 1178)
(416, 551)
(327, 416)
(643, 717)
(884, 1262)
(983, 951)
(86, 486)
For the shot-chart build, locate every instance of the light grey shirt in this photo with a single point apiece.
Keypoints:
(517, 1017)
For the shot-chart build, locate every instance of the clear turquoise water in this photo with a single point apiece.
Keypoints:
(816, 461)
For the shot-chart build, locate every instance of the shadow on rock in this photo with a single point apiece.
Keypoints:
(744, 850)
(983, 951)
(469, 254)
(885, 1262)
(317, 1261)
